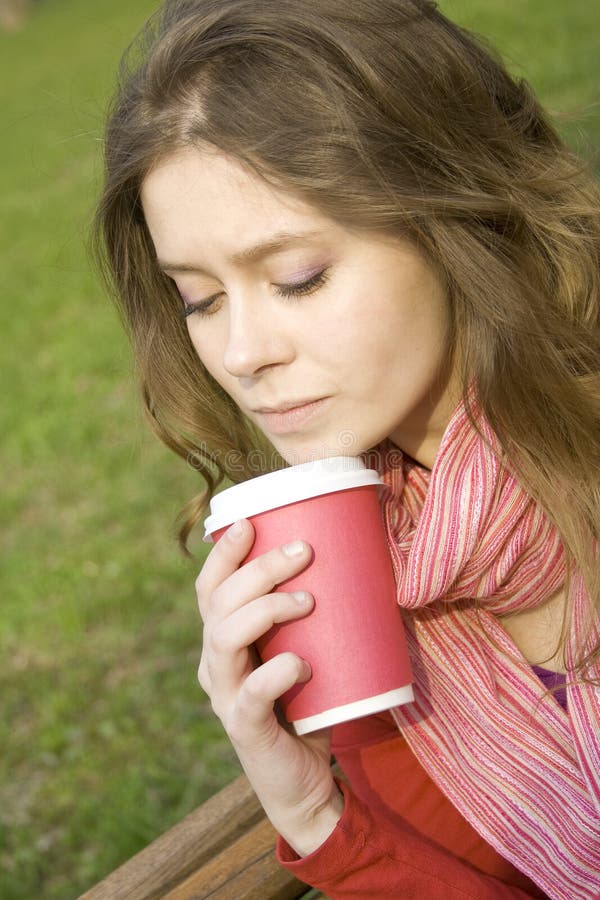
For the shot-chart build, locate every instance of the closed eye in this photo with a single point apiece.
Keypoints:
(203, 307)
(209, 306)
(302, 288)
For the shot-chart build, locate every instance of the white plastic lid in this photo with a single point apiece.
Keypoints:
(311, 479)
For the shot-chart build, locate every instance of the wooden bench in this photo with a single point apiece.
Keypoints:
(224, 850)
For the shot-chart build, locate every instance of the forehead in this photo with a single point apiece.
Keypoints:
(203, 207)
(213, 191)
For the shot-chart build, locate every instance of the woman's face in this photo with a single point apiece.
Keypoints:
(328, 339)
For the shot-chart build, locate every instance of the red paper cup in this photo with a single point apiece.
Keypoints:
(354, 637)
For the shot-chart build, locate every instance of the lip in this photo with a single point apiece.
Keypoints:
(285, 407)
(289, 417)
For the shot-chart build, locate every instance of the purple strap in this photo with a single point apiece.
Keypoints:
(556, 680)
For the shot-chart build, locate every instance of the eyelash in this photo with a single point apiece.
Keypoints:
(289, 291)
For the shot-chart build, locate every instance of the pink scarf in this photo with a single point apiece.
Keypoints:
(520, 769)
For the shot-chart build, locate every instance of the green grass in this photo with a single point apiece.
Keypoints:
(106, 738)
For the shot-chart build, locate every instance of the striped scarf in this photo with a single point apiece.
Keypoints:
(467, 545)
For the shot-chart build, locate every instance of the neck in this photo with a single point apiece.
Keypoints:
(421, 438)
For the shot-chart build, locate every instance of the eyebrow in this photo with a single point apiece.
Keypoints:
(280, 241)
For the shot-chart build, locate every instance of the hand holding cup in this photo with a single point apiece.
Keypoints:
(291, 776)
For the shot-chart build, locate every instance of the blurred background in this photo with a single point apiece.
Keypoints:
(106, 737)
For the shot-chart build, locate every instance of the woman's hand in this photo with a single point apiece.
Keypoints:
(238, 604)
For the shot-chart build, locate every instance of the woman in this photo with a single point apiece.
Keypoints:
(342, 227)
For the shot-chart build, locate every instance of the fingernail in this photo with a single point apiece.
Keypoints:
(296, 548)
(236, 530)
(306, 672)
(302, 597)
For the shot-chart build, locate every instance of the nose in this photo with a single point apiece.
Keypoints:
(256, 340)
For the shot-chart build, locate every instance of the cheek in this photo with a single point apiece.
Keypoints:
(196, 343)
(397, 339)
(209, 352)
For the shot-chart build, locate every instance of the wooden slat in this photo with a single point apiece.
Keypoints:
(186, 847)
(245, 870)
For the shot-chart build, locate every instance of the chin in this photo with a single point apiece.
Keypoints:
(304, 453)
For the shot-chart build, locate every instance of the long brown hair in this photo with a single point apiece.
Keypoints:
(385, 115)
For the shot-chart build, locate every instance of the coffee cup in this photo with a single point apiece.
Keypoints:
(353, 638)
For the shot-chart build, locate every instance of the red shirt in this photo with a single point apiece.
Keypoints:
(399, 836)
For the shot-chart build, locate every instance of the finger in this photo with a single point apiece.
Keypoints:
(226, 649)
(225, 557)
(252, 660)
(203, 676)
(253, 719)
(250, 622)
(254, 579)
